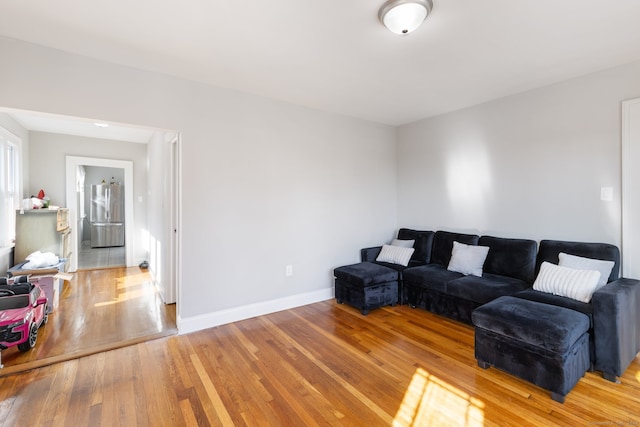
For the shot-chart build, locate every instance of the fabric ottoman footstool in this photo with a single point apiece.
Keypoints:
(540, 343)
(366, 285)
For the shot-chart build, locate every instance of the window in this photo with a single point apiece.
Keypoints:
(10, 184)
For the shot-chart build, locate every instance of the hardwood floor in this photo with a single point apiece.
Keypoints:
(321, 364)
(98, 310)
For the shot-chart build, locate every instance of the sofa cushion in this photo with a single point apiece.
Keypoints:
(582, 263)
(484, 289)
(365, 274)
(443, 245)
(542, 325)
(567, 282)
(467, 259)
(432, 276)
(543, 297)
(549, 251)
(423, 243)
(403, 243)
(395, 255)
(397, 267)
(510, 257)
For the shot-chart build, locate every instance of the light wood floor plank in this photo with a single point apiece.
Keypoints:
(219, 415)
(245, 367)
(86, 390)
(337, 374)
(187, 413)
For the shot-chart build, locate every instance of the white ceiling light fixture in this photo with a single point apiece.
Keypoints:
(404, 16)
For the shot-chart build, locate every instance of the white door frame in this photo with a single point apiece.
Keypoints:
(630, 188)
(173, 235)
(72, 163)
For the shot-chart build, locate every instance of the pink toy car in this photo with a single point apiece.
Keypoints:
(23, 310)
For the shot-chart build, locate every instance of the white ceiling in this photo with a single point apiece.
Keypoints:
(66, 125)
(334, 55)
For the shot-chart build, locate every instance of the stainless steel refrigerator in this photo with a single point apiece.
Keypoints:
(107, 215)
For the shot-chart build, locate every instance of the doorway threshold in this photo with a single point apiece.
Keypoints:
(41, 363)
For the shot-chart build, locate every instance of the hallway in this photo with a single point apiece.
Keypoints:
(91, 258)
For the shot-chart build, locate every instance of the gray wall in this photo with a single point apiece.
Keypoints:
(530, 165)
(264, 183)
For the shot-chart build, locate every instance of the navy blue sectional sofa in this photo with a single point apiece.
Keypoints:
(510, 269)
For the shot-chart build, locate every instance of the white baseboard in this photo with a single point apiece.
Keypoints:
(210, 320)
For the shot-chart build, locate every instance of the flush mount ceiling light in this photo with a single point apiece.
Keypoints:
(404, 16)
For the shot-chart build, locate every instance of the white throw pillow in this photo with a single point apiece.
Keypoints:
(581, 263)
(395, 255)
(468, 259)
(567, 282)
(403, 243)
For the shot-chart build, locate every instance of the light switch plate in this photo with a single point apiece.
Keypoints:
(606, 194)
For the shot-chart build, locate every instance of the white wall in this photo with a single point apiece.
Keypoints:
(47, 159)
(530, 165)
(158, 158)
(264, 183)
(630, 184)
(97, 174)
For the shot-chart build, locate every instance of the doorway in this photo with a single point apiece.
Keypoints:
(96, 301)
(100, 225)
(76, 172)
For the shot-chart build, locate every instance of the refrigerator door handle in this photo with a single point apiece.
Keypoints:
(107, 203)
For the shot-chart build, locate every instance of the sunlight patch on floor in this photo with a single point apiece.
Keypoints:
(132, 280)
(129, 288)
(430, 401)
(125, 296)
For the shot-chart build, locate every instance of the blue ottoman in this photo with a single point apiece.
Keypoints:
(366, 286)
(540, 343)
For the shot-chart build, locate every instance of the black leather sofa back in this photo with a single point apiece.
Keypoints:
(550, 249)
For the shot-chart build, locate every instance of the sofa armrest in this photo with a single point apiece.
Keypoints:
(370, 254)
(616, 326)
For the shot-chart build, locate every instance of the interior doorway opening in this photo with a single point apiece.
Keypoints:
(76, 202)
(101, 226)
(129, 291)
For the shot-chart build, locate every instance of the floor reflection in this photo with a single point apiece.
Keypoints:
(99, 308)
(89, 257)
